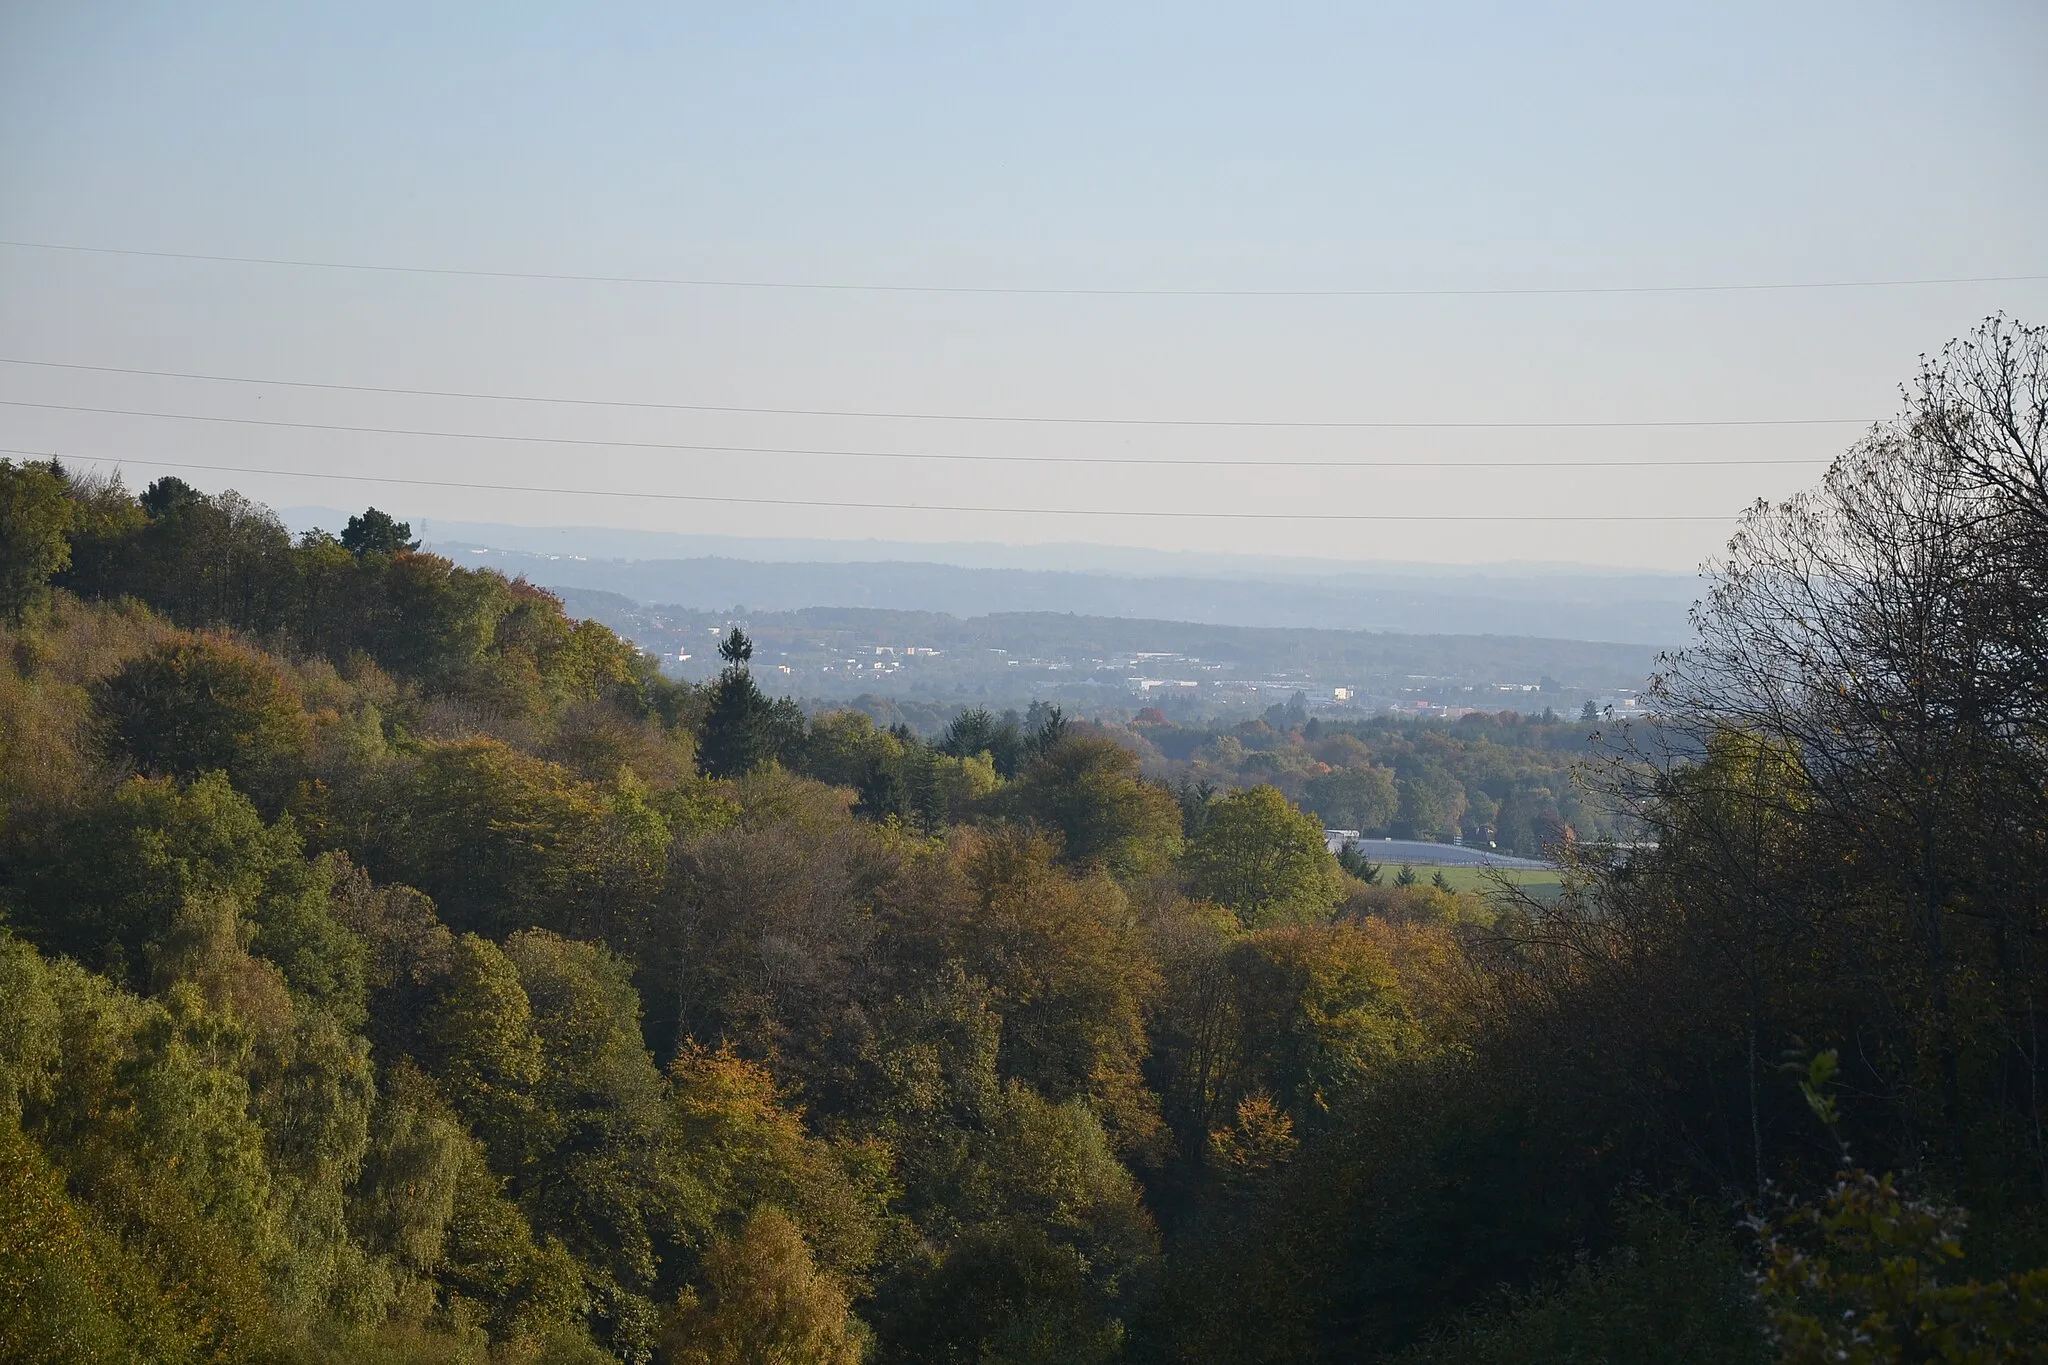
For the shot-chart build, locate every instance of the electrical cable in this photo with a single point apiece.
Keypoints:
(687, 283)
(908, 506)
(941, 416)
(1167, 461)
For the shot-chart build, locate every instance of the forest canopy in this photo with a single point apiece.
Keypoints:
(395, 968)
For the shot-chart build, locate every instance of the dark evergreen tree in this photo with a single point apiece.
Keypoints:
(882, 793)
(743, 728)
(1048, 726)
(377, 533)
(980, 731)
(167, 495)
(1351, 857)
(1196, 796)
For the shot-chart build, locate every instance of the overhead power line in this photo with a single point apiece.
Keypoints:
(1155, 513)
(1170, 461)
(1058, 292)
(939, 416)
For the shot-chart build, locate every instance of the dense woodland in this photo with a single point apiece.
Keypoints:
(396, 969)
(1505, 779)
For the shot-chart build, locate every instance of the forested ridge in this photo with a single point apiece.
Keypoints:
(394, 968)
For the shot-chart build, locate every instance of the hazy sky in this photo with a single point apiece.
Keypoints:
(1166, 147)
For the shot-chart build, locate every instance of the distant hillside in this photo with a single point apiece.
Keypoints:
(843, 651)
(611, 542)
(1634, 608)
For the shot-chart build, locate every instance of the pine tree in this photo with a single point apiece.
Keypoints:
(377, 533)
(743, 728)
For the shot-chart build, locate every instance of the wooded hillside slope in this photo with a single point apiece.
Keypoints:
(395, 968)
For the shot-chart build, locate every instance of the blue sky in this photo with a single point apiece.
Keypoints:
(1147, 147)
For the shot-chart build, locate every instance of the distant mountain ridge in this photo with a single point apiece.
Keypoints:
(718, 573)
(1558, 608)
(601, 542)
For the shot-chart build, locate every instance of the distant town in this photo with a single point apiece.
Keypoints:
(1094, 663)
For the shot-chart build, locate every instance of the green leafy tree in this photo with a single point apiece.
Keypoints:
(106, 519)
(221, 561)
(1065, 965)
(765, 1301)
(1296, 1017)
(153, 1114)
(1055, 1251)
(108, 884)
(738, 1144)
(209, 562)
(199, 703)
(1263, 860)
(405, 1198)
(845, 746)
(35, 518)
(479, 1043)
(1006, 1294)
(1866, 1275)
(503, 840)
(1361, 798)
(528, 1291)
(70, 1295)
(593, 1181)
(1086, 789)
(1431, 802)
(1319, 1009)
(168, 496)
(1515, 824)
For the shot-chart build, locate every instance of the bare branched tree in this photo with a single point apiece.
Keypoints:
(1844, 796)
(1885, 631)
